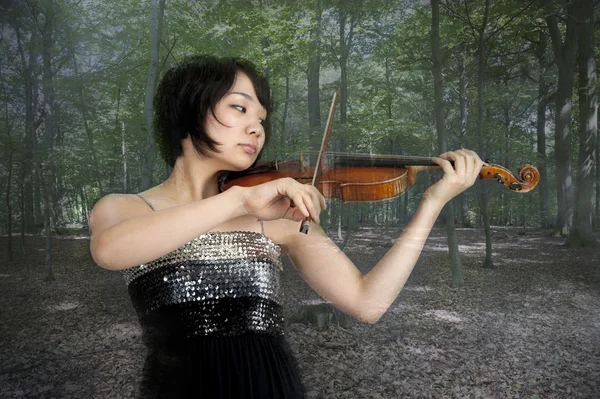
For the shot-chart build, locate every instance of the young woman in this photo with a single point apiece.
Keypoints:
(202, 266)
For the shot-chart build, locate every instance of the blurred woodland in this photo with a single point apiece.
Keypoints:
(514, 81)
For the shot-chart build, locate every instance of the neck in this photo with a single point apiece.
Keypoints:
(193, 178)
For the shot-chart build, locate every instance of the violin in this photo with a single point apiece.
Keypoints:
(363, 177)
(368, 178)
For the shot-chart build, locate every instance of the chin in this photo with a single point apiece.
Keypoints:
(240, 167)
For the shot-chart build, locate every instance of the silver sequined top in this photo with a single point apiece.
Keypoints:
(219, 284)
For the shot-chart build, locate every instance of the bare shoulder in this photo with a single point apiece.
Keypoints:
(115, 208)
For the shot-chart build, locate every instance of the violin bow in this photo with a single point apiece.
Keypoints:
(319, 165)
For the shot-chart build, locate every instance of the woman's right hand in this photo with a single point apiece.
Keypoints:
(283, 199)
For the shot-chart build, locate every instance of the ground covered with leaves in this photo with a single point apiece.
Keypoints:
(529, 328)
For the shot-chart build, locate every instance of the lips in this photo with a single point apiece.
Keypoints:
(249, 148)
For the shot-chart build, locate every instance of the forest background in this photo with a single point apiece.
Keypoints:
(514, 81)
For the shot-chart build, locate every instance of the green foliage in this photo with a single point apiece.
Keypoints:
(100, 64)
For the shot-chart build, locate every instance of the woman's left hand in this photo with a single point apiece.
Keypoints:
(467, 166)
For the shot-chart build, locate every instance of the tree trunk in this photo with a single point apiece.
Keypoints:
(156, 11)
(457, 279)
(405, 213)
(389, 94)
(38, 218)
(313, 86)
(120, 126)
(462, 86)
(484, 197)
(507, 217)
(597, 181)
(343, 69)
(345, 45)
(29, 144)
(541, 132)
(22, 204)
(124, 154)
(564, 55)
(582, 233)
(286, 105)
(9, 242)
(84, 215)
(82, 104)
(339, 224)
(45, 159)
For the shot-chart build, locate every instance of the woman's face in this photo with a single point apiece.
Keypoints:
(240, 130)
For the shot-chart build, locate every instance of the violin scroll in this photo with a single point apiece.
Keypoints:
(527, 180)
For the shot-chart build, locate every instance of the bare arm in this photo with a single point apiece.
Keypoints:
(126, 233)
(383, 283)
(381, 286)
(329, 272)
(335, 277)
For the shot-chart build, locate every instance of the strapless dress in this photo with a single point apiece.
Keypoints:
(212, 320)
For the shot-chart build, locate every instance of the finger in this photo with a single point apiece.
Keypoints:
(477, 164)
(312, 205)
(319, 201)
(318, 198)
(450, 155)
(459, 165)
(445, 164)
(295, 214)
(315, 197)
(293, 190)
(321, 198)
(300, 205)
(469, 164)
(476, 155)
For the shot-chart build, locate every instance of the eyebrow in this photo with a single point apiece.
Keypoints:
(248, 96)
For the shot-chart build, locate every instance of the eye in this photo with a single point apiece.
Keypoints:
(239, 108)
(261, 121)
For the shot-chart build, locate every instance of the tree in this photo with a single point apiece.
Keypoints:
(582, 233)
(314, 70)
(156, 22)
(457, 279)
(30, 74)
(9, 128)
(543, 97)
(564, 56)
(482, 34)
(45, 157)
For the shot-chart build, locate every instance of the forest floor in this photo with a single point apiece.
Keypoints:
(529, 328)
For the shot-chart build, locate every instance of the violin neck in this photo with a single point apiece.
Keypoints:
(393, 161)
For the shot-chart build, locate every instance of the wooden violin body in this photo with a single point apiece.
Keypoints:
(351, 184)
(368, 178)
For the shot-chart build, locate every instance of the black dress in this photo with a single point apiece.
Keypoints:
(211, 315)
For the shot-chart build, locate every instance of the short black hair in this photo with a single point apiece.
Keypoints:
(192, 89)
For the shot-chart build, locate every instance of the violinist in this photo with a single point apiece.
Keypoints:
(202, 266)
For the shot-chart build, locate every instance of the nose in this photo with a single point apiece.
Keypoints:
(255, 128)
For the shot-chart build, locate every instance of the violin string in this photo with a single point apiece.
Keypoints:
(384, 160)
(409, 159)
